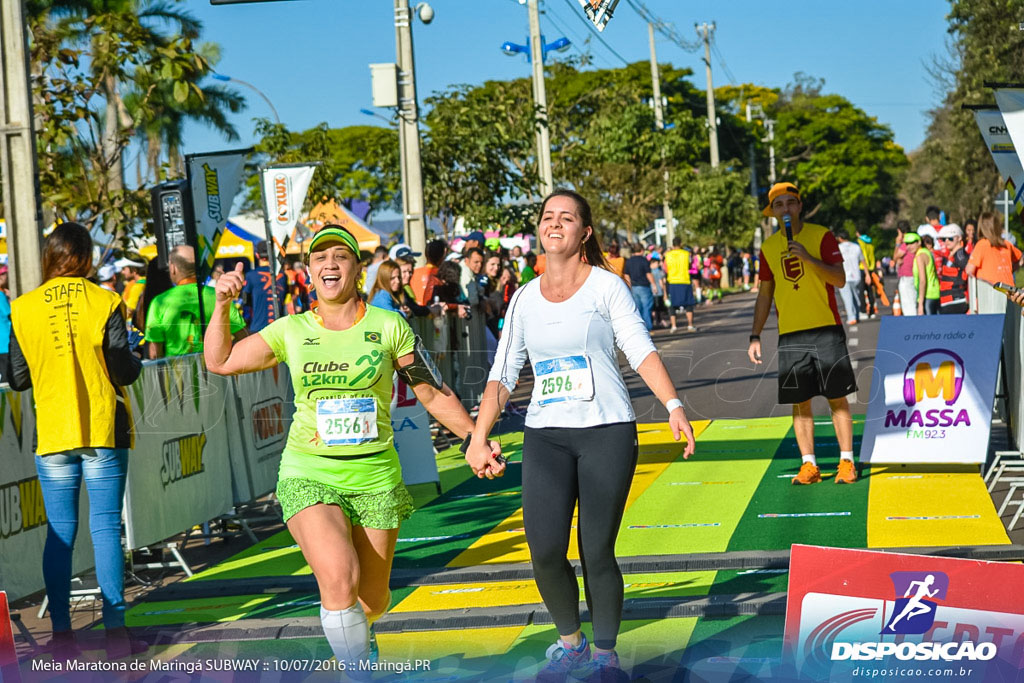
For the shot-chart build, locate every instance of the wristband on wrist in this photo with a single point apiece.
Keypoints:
(465, 444)
(673, 404)
(755, 337)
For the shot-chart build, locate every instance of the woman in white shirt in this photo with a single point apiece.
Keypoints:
(580, 443)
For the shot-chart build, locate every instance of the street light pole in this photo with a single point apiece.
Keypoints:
(18, 176)
(659, 122)
(413, 219)
(222, 77)
(540, 100)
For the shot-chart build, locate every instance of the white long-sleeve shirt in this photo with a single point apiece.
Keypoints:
(571, 346)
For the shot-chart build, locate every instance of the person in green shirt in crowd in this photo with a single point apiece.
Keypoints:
(340, 481)
(528, 272)
(172, 320)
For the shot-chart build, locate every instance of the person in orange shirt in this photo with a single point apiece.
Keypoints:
(425, 278)
(615, 259)
(993, 259)
(802, 275)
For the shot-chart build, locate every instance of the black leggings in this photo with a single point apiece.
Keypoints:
(593, 466)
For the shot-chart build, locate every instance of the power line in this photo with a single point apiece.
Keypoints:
(594, 31)
(721, 61)
(663, 27)
(550, 14)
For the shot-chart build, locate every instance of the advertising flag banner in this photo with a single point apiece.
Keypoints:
(932, 389)
(411, 426)
(1000, 146)
(284, 191)
(214, 179)
(864, 614)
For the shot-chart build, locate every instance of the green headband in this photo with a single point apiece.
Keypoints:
(332, 233)
(911, 237)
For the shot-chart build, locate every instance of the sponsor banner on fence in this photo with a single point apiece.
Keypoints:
(179, 473)
(22, 513)
(932, 390)
(262, 406)
(411, 426)
(866, 614)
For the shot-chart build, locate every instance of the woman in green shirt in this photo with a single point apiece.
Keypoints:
(340, 482)
(926, 280)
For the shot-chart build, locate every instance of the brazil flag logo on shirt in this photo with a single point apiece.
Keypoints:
(372, 337)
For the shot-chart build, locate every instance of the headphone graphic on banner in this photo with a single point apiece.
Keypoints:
(910, 385)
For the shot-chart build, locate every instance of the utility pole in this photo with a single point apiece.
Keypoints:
(704, 31)
(753, 160)
(659, 121)
(770, 123)
(20, 180)
(413, 218)
(540, 99)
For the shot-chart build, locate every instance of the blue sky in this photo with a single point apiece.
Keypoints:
(311, 57)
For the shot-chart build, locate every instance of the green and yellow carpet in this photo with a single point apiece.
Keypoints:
(702, 545)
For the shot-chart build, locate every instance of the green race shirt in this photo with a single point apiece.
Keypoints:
(331, 371)
(173, 319)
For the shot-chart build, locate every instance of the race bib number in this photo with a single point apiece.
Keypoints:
(346, 421)
(563, 379)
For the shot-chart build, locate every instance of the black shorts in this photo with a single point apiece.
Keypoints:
(815, 363)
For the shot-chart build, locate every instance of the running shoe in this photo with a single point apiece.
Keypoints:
(808, 474)
(602, 668)
(691, 328)
(562, 661)
(847, 472)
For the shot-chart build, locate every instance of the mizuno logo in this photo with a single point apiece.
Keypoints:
(311, 341)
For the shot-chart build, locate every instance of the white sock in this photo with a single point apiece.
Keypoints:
(846, 455)
(348, 633)
(811, 459)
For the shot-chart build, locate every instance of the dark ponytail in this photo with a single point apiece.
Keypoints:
(592, 252)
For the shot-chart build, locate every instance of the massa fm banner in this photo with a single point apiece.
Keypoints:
(932, 389)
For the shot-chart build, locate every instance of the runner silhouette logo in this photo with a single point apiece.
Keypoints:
(914, 611)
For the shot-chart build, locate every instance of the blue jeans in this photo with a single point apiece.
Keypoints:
(60, 476)
(644, 302)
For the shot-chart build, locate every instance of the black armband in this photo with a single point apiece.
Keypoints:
(422, 369)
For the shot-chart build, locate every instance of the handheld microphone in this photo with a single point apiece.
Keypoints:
(788, 222)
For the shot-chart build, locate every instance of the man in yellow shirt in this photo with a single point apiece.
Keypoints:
(133, 274)
(680, 288)
(801, 274)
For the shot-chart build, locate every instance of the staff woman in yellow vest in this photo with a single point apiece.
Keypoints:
(926, 280)
(69, 342)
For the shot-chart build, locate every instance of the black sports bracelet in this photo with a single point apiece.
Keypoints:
(755, 337)
(465, 444)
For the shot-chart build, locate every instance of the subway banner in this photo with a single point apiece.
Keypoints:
(22, 513)
(261, 406)
(1000, 146)
(179, 473)
(932, 389)
(863, 615)
(214, 179)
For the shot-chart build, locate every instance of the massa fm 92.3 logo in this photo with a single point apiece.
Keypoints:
(931, 376)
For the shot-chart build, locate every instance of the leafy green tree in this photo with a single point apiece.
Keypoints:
(714, 205)
(358, 162)
(953, 168)
(845, 162)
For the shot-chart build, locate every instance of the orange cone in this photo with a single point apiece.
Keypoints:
(896, 308)
(8, 654)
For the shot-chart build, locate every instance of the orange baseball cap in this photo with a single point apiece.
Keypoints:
(777, 190)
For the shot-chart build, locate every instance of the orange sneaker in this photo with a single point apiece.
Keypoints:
(847, 472)
(808, 474)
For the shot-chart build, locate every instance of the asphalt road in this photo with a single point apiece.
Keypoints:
(716, 380)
